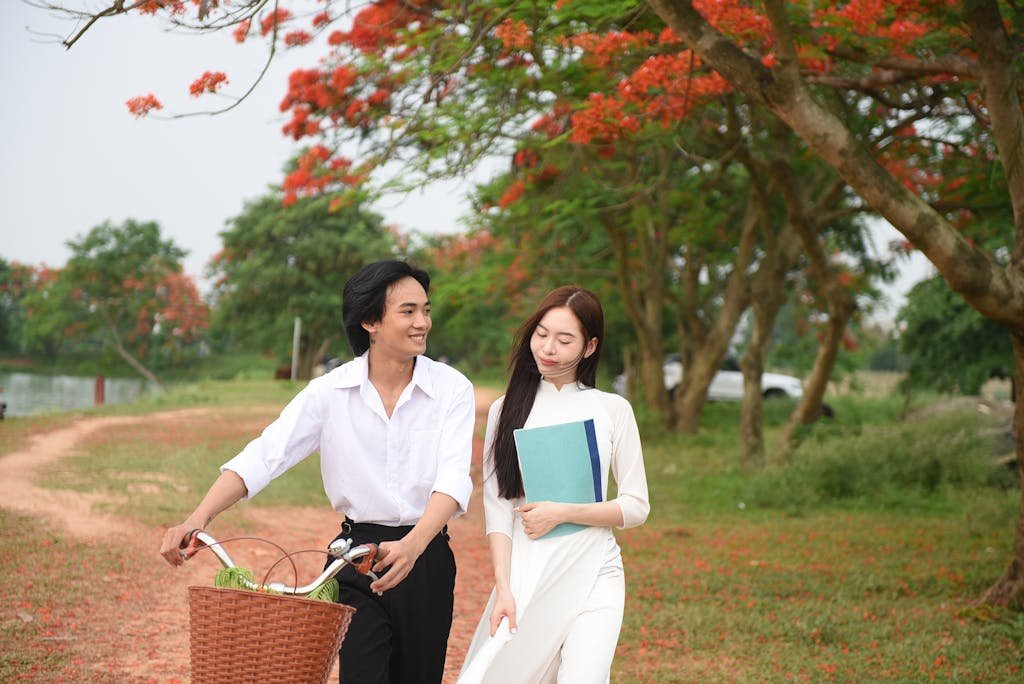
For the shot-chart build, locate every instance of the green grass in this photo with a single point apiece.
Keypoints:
(844, 597)
(219, 366)
(157, 473)
(238, 392)
(858, 562)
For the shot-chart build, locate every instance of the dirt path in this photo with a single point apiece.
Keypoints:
(141, 634)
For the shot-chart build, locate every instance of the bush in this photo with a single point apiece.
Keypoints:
(900, 464)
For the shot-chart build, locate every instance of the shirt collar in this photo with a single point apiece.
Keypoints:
(353, 373)
(357, 371)
(421, 376)
(548, 388)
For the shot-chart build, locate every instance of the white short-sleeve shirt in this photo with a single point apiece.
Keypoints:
(375, 468)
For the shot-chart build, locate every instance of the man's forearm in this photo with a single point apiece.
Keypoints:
(440, 509)
(226, 490)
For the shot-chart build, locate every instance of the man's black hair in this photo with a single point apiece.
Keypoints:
(362, 299)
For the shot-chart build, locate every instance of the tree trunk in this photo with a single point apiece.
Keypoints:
(643, 303)
(307, 359)
(693, 393)
(700, 370)
(132, 361)
(808, 409)
(651, 376)
(767, 301)
(752, 411)
(1009, 588)
(767, 295)
(628, 371)
(702, 362)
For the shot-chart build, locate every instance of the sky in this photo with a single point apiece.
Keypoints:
(73, 157)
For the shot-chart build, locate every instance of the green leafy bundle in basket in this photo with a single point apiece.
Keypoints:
(241, 578)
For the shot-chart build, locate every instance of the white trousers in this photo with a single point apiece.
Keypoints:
(589, 648)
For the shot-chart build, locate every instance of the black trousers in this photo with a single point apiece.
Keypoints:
(402, 636)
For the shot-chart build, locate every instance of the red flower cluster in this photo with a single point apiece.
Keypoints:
(554, 124)
(154, 6)
(376, 26)
(301, 125)
(525, 158)
(602, 120)
(307, 88)
(314, 96)
(209, 82)
(183, 307)
(603, 48)
(318, 171)
(274, 19)
(242, 30)
(297, 38)
(736, 18)
(342, 78)
(466, 246)
(514, 35)
(903, 22)
(512, 193)
(143, 105)
(666, 87)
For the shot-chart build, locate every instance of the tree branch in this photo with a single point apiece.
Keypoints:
(966, 268)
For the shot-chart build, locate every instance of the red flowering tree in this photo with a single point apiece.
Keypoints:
(123, 289)
(437, 85)
(937, 76)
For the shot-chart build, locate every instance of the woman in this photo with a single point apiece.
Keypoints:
(556, 609)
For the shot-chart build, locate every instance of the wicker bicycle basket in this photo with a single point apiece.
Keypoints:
(236, 635)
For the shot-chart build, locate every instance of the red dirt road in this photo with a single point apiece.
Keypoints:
(139, 634)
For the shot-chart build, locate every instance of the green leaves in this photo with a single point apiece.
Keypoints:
(122, 290)
(949, 346)
(280, 262)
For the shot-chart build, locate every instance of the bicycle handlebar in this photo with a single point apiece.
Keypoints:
(359, 557)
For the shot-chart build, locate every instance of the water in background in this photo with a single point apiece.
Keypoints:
(28, 393)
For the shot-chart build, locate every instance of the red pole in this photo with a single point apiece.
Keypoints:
(99, 390)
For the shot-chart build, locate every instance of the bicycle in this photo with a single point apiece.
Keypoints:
(267, 631)
(340, 549)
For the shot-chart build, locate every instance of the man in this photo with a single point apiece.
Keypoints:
(394, 430)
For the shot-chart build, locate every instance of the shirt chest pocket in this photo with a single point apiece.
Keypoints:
(422, 455)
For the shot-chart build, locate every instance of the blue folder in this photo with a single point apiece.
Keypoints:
(560, 463)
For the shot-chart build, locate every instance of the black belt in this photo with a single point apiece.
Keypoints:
(377, 529)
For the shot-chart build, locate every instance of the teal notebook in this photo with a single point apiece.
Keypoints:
(560, 463)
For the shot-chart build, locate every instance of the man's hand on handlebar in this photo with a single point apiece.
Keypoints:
(171, 548)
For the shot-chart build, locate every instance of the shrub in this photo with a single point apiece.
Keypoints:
(897, 464)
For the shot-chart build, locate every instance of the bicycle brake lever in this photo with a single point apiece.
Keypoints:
(365, 564)
(191, 544)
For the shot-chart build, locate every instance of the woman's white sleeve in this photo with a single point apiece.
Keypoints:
(499, 513)
(628, 468)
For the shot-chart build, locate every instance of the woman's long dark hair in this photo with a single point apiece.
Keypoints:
(524, 376)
